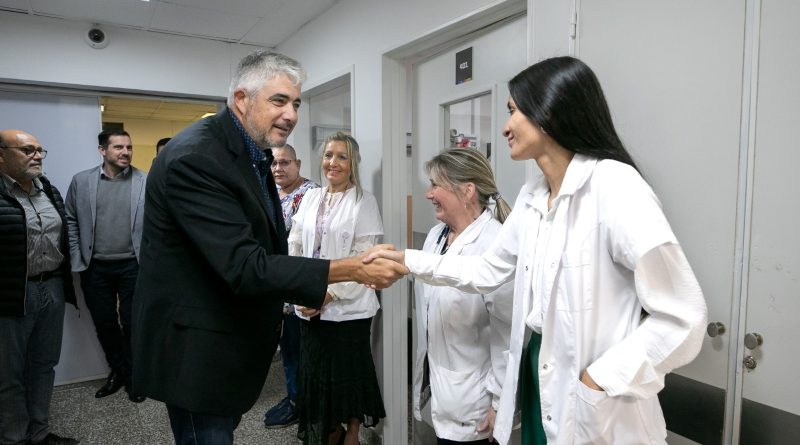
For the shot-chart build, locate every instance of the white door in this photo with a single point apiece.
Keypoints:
(446, 114)
(770, 406)
(678, 77)
(67, 127)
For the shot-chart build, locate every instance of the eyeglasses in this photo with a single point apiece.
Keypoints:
(30, 151)
(282, 162)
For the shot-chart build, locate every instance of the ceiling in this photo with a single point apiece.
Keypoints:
(258, 22)
(118, 109)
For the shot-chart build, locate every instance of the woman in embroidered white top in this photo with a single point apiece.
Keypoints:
(602, 290)
(461, 338)
(337, 383)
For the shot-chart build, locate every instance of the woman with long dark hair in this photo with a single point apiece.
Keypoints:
(604, 296)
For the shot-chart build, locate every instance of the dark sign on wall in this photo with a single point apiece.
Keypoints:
(464, 66)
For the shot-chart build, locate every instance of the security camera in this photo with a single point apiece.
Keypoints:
(96, 37)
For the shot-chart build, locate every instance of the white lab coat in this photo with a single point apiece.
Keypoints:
(608, 252)
(467, 340)
(353, 227)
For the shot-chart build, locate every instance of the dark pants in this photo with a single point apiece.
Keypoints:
(201, 429)
(30, 347)
(108, 290)
(290, 352)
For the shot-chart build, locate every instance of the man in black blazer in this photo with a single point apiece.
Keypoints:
(214, 271)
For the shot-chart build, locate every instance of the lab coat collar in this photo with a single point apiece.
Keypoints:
(578, 173)
(470, 234)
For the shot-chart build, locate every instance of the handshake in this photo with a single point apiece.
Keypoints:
(377, 268)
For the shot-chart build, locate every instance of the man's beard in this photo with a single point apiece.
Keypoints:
(260, 137)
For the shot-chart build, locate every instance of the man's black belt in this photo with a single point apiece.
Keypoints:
(44, 276)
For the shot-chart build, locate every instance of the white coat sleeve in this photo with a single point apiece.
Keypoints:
(672, 334)
(296, 233)
(473, 274)
(670, 337)
(500, 304)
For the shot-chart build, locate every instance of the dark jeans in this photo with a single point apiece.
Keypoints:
(30, 347)
(108, 290)
(290, 352)
(201, 429)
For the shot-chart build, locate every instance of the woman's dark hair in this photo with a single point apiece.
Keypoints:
(563, 97)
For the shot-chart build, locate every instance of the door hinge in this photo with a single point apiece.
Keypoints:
(573, 26)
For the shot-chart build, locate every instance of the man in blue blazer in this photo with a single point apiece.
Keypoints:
(105, 207)
(214, 270)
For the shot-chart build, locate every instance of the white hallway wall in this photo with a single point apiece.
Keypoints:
(49, 51)
(357, 33)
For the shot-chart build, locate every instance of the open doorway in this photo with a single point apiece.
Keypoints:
(327, 108)
(150, 120)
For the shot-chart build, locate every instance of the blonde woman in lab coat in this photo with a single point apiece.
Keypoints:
(604, 298)
(336, 382)
(461, 338)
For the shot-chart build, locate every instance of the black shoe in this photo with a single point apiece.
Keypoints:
(133, 397)
(52, 439)
(112, 385)
(281, 415)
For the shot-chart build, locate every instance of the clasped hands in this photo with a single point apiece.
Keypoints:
(377, 268)
(382, 266)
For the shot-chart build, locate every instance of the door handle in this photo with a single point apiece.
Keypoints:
(753, 340)
(715, 328)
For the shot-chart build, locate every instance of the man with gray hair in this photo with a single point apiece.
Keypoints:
(214, 266)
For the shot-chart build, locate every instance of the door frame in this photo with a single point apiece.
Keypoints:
(302, 138)
(396, 123)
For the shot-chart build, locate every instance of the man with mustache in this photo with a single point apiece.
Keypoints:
(35, 282)
(105, 205)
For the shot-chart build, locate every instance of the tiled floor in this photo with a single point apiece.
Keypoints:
(114, 420)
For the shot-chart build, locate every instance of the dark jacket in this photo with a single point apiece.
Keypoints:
(213, 276)
(14, 251)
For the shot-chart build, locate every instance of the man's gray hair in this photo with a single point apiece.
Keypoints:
(260, 66)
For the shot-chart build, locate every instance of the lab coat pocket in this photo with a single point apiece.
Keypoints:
(575, 283)
(459, 397)
(604, 420)
(593, 416)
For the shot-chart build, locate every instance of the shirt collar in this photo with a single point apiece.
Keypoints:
(123, 174)
(10, 183)
(255, 152)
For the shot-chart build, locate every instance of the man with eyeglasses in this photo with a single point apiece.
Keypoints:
(291, 189)
(105, 206)
(35, 282)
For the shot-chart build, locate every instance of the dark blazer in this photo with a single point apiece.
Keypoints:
(14, 251)
(213, 276)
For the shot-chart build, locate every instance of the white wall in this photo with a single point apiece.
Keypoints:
(357, 33)
(52, 51)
